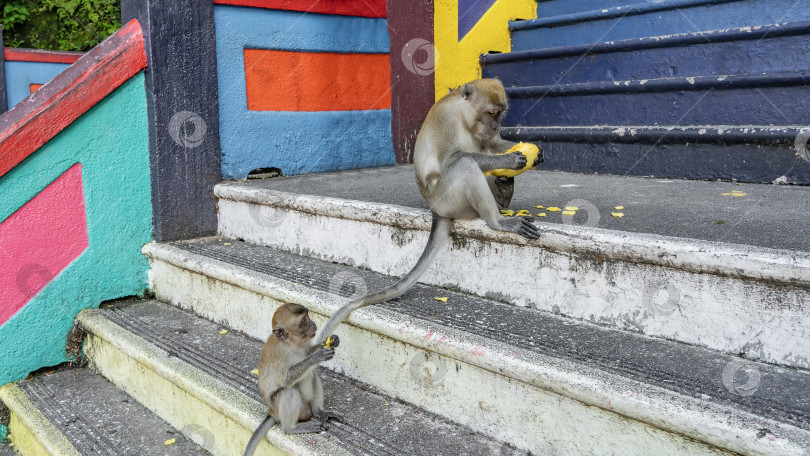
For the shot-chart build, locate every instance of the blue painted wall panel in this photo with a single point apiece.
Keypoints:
(695, 19)
(295, 142)
(306, 142)
(20, 76)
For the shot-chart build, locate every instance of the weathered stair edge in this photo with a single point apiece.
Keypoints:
(554, 405)
(554, 8)
(650, 18)
(629, 9)
(646, 58)
(31, 432)
(717, 295)
(183, 395)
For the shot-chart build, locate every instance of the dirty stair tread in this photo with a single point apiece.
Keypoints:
(98, 418)
(376, 424)
(783, 396)
(688, 209)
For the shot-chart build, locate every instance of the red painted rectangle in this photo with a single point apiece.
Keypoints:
(316, 81)
(40, 55)
(41, 239)
(364, 8)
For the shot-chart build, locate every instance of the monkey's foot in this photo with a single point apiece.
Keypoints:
(522, 226)
(309, 427)
(327, 415)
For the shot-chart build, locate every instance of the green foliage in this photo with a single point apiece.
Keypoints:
(63, 25)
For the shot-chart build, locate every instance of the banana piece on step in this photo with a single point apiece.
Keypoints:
(528, 149)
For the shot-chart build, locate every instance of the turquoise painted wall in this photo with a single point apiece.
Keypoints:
(111, 142)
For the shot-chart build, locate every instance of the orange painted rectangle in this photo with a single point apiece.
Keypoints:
(316, 81)
(34, 87)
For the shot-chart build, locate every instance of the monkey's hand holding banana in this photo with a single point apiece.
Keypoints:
(529, 150)
(458, 143)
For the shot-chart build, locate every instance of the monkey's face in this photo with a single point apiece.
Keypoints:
(488, 123)
(485, 105)
(307, 327)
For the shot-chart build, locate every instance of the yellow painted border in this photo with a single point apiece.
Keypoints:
(30, 432)
(457, 62)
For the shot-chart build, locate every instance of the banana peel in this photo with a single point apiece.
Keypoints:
(528, 149)
(328, 342)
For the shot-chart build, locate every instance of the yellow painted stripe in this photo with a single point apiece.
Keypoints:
(457, 62)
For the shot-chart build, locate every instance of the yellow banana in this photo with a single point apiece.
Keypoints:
(528, 149)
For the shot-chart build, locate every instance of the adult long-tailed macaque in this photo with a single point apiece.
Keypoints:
(288, 383)
(457, 143)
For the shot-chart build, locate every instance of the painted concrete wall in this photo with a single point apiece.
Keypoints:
(86, 195)
(25, 70)
(20, 76)
(280, 135)
(465, 29)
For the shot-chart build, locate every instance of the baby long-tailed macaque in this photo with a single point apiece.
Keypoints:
(456, 145)
(288, 383)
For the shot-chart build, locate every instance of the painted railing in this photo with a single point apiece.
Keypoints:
(75, 208)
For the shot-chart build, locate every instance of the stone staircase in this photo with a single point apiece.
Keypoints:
(537, 358)
(700, 89)
(680, 328)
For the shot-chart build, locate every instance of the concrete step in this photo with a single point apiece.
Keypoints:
(548, 8)
(754, 153)
(750, 50)
(544, 383)
(189, 372)
(638, 19)
(78, 412)
(689, 261)
(698, 100)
